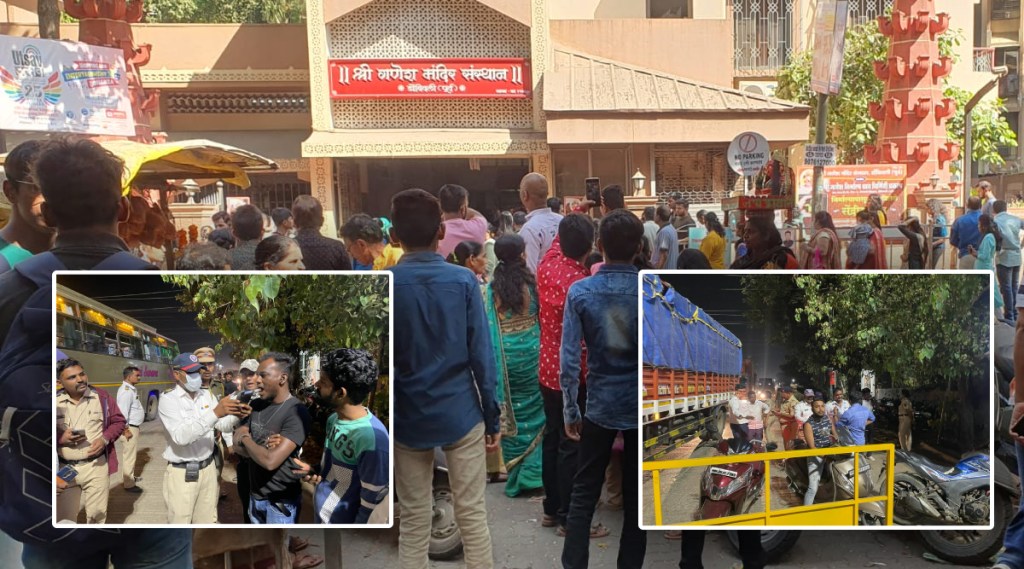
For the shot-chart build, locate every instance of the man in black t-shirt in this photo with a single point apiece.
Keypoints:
(275, 491)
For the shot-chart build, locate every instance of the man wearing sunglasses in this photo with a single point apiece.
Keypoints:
(26, 234)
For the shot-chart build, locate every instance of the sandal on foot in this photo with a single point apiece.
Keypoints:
(497, 477)
(307, 561)
(297, 544)
(596, 531)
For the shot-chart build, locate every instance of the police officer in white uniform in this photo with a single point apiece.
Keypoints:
(131, 407)
(189, 416)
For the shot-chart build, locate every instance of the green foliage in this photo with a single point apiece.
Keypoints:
(258, 313)
(920, 330)
(850, 126)
(221, 12)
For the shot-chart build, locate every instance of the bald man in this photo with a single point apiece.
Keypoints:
(541, 223)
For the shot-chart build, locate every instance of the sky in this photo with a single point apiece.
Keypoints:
(721, 296)
(148, 299)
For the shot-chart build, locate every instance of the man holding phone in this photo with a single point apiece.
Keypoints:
(91, 423)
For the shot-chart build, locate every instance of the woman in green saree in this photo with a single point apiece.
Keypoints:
(512, 312)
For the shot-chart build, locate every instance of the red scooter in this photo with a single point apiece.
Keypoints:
(731, 489)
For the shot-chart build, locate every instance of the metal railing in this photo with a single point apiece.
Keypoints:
(828, 513)
(984, 59)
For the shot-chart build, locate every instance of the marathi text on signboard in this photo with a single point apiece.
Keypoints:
(748, 153)
(429, 78)
(848, 188)
(54, 86)
(829, 45)
(820, 154)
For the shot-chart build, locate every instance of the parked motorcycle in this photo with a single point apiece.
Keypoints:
(731, 489)
(930, 494)
(838, 472)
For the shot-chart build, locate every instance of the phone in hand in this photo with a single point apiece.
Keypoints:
(67, 473)
(78, 432)
(594, 191)
(1018, 427)
(245, 396)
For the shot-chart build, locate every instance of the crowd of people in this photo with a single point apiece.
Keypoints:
(257, 423)
(528, 357)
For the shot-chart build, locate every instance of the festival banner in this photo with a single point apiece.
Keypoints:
(56, 86)
(429, 78)
(848, 188)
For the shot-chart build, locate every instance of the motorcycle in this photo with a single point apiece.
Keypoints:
(839, 473)
(929, 494)
(732, 489)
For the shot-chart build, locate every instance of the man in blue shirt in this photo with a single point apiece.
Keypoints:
(602, 312)
(857, 418)
(445, 383)
(966, 234)
(1008, 258)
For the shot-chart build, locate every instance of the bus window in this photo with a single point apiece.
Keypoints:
(130, 347)
(68, 335)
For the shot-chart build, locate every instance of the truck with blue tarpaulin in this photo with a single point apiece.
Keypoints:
(691, 365)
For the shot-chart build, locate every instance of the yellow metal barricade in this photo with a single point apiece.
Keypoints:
(843, 512)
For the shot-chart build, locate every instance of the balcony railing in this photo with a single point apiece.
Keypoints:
(984, 59)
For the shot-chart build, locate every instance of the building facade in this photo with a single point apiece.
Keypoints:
(609, 88)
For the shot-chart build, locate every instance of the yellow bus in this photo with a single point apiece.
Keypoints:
(106, 341)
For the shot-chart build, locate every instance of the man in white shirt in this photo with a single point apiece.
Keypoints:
(190, 415)
(739, 414)
(834, 409)
(803, 410)
(135, 413)
(541, 223)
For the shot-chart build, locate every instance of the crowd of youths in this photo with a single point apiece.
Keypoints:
(259, 424)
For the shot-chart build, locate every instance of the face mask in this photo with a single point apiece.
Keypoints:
(193, 382)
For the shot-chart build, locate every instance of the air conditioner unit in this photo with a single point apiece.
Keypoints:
(763, 88)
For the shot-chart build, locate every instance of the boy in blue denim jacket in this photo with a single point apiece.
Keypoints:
(602, 311)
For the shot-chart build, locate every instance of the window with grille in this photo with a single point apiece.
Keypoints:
(1005, 9)
(763, 34)
(268, 191)
(863, 11)
(702, 176)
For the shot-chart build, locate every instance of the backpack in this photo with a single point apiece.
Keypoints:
(27, 428)
(858, 250)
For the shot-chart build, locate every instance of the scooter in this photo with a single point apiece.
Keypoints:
(839, 473)
(732, 489)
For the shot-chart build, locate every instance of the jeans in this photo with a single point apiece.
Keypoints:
(815, 466)
(740, 433)
(937, 256)
(268, 512)
(561, 455)
(1009, 281)
(414, 476)
(751, 552)
(140, 549)
(1013, 541)
(595, 452)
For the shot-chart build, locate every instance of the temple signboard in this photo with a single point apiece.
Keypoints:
(430, 78)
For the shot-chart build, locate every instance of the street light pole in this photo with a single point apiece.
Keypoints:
(999, 72)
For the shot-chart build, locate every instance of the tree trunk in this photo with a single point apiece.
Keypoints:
(49, 19)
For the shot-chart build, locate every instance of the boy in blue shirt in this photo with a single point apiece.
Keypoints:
(445, 384)
(353, 476)
(857, 418)
(601, 311)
